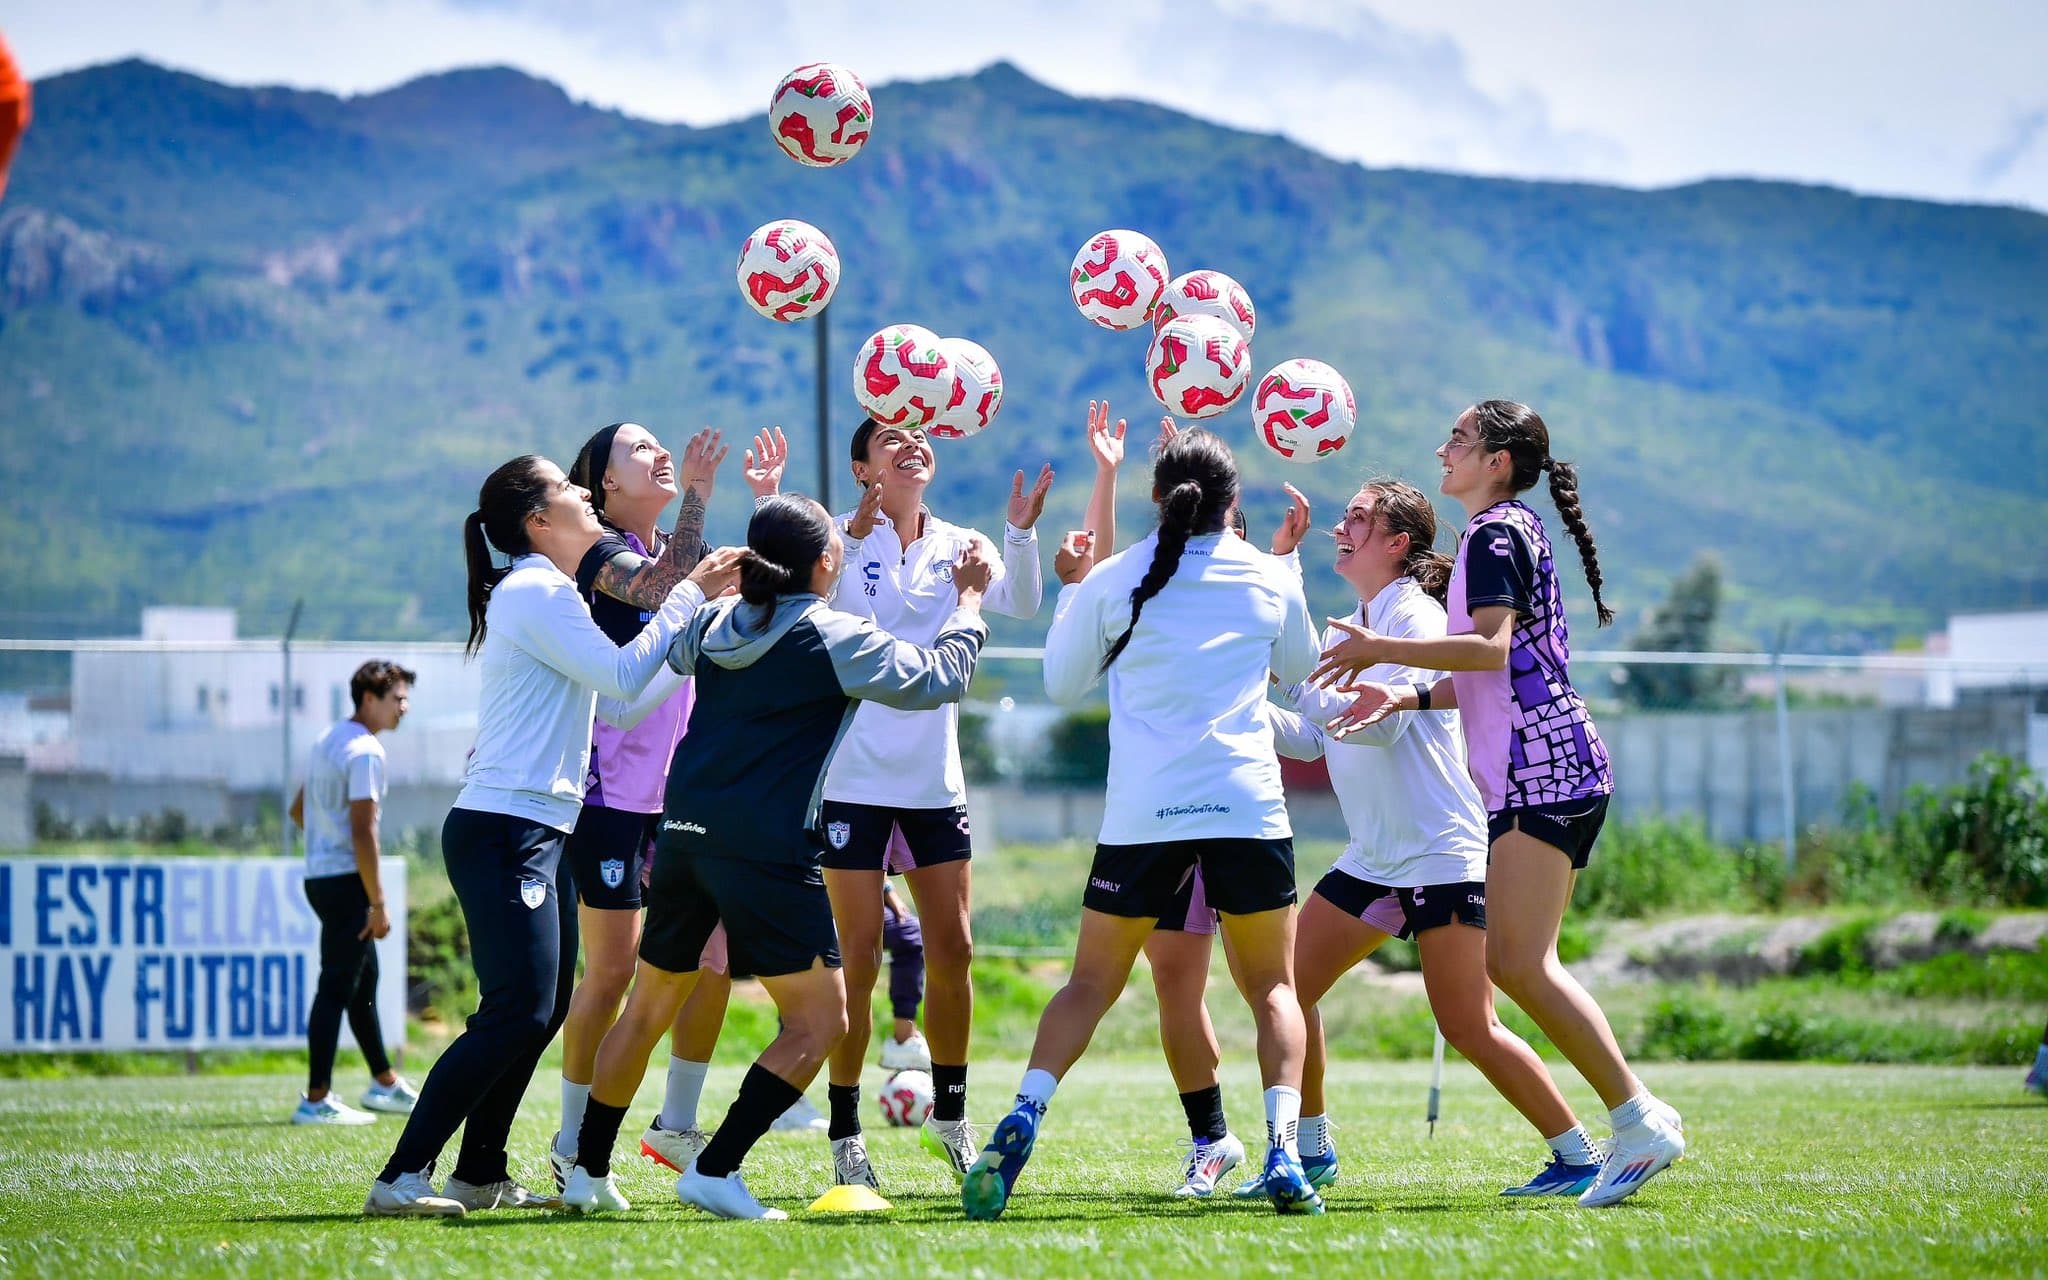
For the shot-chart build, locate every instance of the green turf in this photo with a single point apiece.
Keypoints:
(1795, 1171)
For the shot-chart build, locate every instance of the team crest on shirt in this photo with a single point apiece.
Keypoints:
(533, 892)
(614, 872)
(943, 570)
(839, 833)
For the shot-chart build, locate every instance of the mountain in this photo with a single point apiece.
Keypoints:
(260, 343)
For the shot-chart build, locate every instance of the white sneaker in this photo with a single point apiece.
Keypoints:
(329, 1110)
(1207, 1163)
(496, 1195)
(725, 1197)
(850, 1167)
(675, 1148)
(586, 1194)
(1641, 1152)
(558, 1164)
(906, 1055)
(395, 1099)
(409, 1195)
(800, 1118)
(953, 1141)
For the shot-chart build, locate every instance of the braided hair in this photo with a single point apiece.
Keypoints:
(1194, 482)
(1504, 424)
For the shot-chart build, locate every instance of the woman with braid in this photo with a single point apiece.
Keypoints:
(1541, 769)
(1186, 625)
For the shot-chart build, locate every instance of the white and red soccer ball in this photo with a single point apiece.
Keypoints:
(1117, 278)
(902, 376)
(906, 1098)
(1198, 366)
(788, 270)
(1303, 410)
(1206, 293)
(820, 114)
(977, 391)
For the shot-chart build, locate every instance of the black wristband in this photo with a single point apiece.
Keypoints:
(1421, 696)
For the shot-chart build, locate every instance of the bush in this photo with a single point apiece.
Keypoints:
(1657, 864)
(443, 982)
(1079, 746)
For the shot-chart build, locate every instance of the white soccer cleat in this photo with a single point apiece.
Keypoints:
(675, 1148)
(395, 1099)
(409, 1195)
(801, 1117)
(906, 1055)
(1207, 1162)
(586, 1194)
(725, 1197)
(508, 1194)
(850, 1167)
(953, 1141)
(558, 1164)
(1641, 1152)
(329, 1110)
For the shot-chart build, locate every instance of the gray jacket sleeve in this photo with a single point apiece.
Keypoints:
(873, 665)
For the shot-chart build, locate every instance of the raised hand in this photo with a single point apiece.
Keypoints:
(973, 571)
(1025, 508)
(1167, 431)
(1076, 556)
(870, 509)
(765, 461)
(1294, 525)
(1359, 649)
(718, 572)
(701, 460)
(1104, 441)
(1374, 703)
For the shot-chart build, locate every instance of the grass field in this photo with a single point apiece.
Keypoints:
(1795, 1171)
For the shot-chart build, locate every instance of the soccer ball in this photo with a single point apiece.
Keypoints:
(1303, 410)
(977, 390)
(820, 115)
(902, 377)
(788, 270)
(1198, 366)
(1206, 293)
(905, 1098)
(1116, 279)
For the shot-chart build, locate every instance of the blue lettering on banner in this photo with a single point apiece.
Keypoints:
(47, 903)
(149, 907)
(6, 906)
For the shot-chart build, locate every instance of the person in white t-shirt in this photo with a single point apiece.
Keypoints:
(1187, 626)
(338, 807)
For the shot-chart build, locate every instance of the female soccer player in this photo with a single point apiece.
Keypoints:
(1531, 747)
(543, 662)
(779, 675)
(1187, 625)
(1416, 863)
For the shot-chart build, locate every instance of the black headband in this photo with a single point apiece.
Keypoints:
(591, 463)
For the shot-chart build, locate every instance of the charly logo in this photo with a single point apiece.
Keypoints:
(839, 833)
(533, 892)
(1107, 886)
(614, 872)
(1500, 545)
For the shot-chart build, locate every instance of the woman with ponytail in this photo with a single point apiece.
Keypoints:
(779, 674)
(1530, 745)
(544, 664)
(1187, 625)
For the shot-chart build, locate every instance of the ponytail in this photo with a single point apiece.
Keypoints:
(1564, 491)
(1504, 424)
(786, 536)
(761, 579)
(508, 497)
(1196, 477)
(483, 575)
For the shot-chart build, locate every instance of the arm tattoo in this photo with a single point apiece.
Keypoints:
(654, 579)
(615, 579)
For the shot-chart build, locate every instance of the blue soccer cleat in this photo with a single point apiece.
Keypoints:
(1559, 1178)
(985, 1191)
(1287, 1186)
(1321, 1170)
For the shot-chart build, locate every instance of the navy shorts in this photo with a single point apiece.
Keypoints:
(607, 856)
(1570, 826)
(873, 837)
(1240, 877)
(1403, 913)
(777, 918)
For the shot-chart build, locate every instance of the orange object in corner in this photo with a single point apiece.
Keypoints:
(14, 110)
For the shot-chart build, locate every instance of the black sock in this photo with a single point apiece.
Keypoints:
(845, 1102)
(1205, 1113)
(763, 1096)
(595, 1139)
(949, 1092)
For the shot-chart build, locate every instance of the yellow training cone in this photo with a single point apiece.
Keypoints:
(849, 1199)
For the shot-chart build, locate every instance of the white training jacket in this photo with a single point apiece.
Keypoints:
(911, 759)
(1409, 804)
(544, 662)
(1190, 753)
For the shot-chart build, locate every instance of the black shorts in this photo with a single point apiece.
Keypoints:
(1190, 912)
(1143, 881)
(873, 837)
(1569, 825)
(1403, 913)
(777, 918)
(606, 855)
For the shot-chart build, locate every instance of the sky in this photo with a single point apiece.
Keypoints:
(1945, 101)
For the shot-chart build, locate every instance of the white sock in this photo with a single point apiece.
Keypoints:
(1315, 1135)
(1283, 1119)
(574, 1098)
(1631, 1113)
(1037, 1088)
(1573, 1146)
(679, 1098)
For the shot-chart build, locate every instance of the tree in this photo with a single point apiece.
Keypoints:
(1683, 623)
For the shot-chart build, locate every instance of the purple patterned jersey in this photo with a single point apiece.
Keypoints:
(1528, 738)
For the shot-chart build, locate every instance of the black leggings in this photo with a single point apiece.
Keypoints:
(348, 978)
(522, 940)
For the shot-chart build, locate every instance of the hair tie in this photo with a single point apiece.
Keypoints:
(1549, 464)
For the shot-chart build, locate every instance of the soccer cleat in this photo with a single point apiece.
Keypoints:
(2037, 1079)
(1207, 1162)
(953, 1141)
(985, 1191)
(409, 1195)
(672, 1147)
(801, 1117)
(906, 1055)
(329, 1110)
(850, 1167)
(1287, 1186)
(1558, 1178)
(1321, 1169)
(558, 1164)
(1641, 1152)
(395, 1099)
(586, 1194)
(725, 1197)
(496, 1195)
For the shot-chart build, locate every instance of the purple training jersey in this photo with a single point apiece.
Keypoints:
(629, 767)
